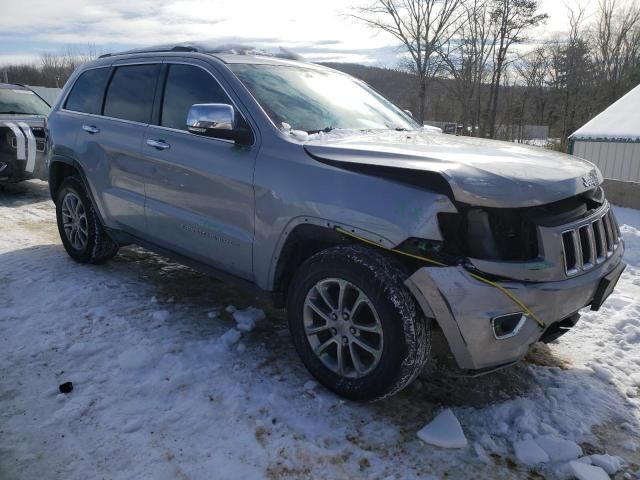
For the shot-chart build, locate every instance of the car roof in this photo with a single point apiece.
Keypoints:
(227, 53)
(255, 59)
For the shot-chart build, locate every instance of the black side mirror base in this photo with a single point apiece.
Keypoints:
(241, 136)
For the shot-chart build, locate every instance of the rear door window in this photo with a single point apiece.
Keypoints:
(131, 92)
(187, 85)
(87, 93)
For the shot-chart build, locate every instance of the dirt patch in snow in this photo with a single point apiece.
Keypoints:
(543, 356)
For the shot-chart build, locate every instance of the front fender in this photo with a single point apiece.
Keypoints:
(324, 224)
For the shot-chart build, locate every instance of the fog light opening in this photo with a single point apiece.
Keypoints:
(507, 326)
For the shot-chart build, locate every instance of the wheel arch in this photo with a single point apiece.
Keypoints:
(300, 241)
(61, 167)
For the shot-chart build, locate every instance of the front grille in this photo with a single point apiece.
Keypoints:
(590, 244)
(40, 143)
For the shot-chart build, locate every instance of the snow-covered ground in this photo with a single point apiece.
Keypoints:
(170, 382)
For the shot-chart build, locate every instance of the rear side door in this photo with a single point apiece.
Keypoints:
(81, 107)
(199, 192)
(109, 145)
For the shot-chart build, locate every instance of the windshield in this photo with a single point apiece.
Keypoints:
(21, 102)
(315, 100)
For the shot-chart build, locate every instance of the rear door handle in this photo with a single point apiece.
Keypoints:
(90, 129)
(159, 144)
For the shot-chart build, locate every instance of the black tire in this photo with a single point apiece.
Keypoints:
(406, 333)
(99, 247)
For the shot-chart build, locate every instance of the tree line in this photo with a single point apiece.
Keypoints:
(477, 56)
(474, 63)
(50, 70)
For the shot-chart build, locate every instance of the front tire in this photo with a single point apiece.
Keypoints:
(355, 325)
(81, 232)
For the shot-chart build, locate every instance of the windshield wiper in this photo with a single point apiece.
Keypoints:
(324, 130)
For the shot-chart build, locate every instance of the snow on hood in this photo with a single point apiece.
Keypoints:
(480, 172)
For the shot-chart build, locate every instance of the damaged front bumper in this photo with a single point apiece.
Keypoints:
(466, 309)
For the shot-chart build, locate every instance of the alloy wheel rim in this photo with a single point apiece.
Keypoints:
(74, 221)
(343, 328)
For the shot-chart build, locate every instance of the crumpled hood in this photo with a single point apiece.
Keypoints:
(480, 172)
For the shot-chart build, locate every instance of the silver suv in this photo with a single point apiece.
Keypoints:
(304, 182)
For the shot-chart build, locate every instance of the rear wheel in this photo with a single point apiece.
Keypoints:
(355, 325)
(80, 230)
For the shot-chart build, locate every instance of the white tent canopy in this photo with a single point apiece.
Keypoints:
(621, 121)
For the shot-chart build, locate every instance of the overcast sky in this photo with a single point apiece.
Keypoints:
(320, 30)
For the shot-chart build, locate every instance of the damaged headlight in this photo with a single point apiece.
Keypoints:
(489, 234)
(431, 249)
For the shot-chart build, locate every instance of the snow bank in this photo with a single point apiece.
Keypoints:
(161, 315)
(168, 395)
(444, 431)
(529, 453)
(559, 449)
(248, 319)
(230, 338)
(608, 463)
(583, 471)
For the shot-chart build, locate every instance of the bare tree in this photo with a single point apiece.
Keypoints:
(616, 40)
(573, 77)
(55, 67)
(465, 59)
(422, 27)
(513, 110)
(58, 67)
(534, 69)
(512, 20)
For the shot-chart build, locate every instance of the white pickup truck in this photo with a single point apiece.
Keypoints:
(23, 134)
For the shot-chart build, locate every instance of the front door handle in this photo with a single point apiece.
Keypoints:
(159, 144)
(90, 129)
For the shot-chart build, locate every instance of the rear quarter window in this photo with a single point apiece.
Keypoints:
(86, 94)
(131, 92)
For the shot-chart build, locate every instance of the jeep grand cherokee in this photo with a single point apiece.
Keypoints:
(308, 184)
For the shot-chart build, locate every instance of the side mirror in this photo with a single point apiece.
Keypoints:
(408, 112)
(217, 120)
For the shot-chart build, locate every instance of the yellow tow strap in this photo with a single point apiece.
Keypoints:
(510, 295)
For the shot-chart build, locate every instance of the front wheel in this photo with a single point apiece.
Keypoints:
(80, 230)
(355, 325)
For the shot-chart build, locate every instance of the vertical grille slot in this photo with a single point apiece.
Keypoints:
(601, 249)
(615, 228)
(572, 255)
(587, 243)
(608, 232)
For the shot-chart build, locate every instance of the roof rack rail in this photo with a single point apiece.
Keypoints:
(227, 48)
(157, 49)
